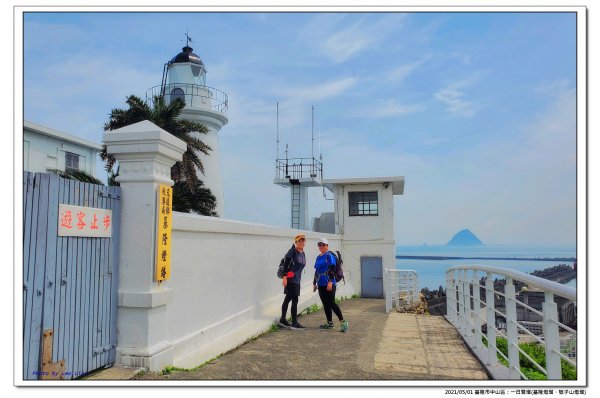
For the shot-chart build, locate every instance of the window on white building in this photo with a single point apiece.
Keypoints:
(71, 161)
(363, 203)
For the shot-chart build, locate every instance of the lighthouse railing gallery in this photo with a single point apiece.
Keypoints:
(192, 94)
(468, 310)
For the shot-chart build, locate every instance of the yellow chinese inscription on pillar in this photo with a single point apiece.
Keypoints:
(163, 226)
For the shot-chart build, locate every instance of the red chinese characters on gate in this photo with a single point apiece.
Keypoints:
(84, 221)
(66, 219)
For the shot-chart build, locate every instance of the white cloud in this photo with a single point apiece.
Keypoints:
(315, 92)
(401, 72)
(453, 96)
(455, 104)
(340, 40)
(385, 108)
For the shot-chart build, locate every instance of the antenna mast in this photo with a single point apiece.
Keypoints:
(312, 149)
(277, 130)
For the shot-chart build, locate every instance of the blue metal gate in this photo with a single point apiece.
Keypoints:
(69, 283)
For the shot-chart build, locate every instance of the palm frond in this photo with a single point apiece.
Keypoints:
(77, 175)
(166, 116)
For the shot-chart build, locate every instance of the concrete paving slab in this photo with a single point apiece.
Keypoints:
(378, 346)
(461, 374)
(113, 373)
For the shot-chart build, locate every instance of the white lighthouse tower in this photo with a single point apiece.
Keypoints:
(184, 76)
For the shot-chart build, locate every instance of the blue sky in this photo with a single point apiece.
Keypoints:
(476, 110)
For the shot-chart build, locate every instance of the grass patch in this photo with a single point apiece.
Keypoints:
(312, 308)
(355, 296)
(170, 369)
(538, 353)
(274, 327)
(309, 310)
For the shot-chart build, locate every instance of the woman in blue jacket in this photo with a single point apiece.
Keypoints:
(324, 280)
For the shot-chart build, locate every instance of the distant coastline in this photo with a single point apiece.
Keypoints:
(568, 259)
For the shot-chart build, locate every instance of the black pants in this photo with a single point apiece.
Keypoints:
(291, 294)
(328, 300)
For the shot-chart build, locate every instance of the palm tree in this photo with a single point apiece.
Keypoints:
(188, 189)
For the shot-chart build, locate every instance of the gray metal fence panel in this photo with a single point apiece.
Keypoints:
(69, 286)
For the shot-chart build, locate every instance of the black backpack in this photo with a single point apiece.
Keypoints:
(337, 272)
(284, 266)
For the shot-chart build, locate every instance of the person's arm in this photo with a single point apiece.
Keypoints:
(288, 260)
(331, 266)
(291, 268)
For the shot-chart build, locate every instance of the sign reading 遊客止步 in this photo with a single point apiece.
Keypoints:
(84, 221)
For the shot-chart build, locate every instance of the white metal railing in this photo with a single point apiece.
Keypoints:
(401, 285)
(465, 307)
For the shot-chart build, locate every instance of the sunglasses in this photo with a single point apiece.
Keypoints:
(321, 244)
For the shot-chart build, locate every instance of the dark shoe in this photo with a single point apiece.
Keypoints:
(283, 323)
(328, 325)
(296, 326)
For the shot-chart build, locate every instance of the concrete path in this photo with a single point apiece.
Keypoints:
(377, 346)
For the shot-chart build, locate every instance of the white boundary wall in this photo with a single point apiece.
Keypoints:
(224, 283)
(223, 287)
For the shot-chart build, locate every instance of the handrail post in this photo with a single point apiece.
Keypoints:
(477, 310)
(468, 311)
(388, 295)
(396, 289)
(551, 337)
(461, 300)
(451, 296)
(407, 286)
(512, 332)
(490, 303)
(416, 287)
(448, 314)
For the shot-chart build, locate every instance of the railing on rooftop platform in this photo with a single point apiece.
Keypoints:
(402, 288)
(465, 306)
(298, 168)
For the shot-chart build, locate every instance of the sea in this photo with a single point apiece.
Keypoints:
(432, 272)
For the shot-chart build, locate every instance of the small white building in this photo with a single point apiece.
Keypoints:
(364, 217)
(45, 149)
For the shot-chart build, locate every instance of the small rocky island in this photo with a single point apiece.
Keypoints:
(464, 238)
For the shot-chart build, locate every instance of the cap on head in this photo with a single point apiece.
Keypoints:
(323, 240)
(298, 237)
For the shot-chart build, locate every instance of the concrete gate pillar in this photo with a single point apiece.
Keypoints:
(145, 153)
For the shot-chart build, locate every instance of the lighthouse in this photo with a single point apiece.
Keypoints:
(184, 76)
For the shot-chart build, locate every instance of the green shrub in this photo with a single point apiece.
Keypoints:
(533, 374)
(568, 371)
(536, 352)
